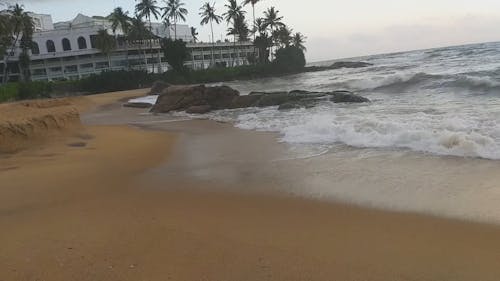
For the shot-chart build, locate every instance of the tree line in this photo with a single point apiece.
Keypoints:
(269, 33)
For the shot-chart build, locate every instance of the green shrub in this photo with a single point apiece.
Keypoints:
(34, 90)
(176, 53)
(24, 91)
(290, 59)
(9, 92)
(111, 81)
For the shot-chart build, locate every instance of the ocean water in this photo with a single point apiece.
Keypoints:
(443, 101)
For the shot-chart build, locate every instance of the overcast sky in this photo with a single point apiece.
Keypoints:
(340, 28)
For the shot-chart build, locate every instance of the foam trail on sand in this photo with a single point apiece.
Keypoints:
(147, 99)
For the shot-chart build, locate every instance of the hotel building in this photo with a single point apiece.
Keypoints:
(67, 50)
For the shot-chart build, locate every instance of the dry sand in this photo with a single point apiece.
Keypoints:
(81, 208)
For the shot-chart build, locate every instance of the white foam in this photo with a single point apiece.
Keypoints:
(147, 99)
(467, 132)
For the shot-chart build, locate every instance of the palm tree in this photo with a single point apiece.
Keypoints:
(260, 27)
(175, 11)
(105, 43)
(194, 34)
(283, 36)
(240, 28)
(5, 34)
(19, 21)
(232, 31)
(119, 19)
(298, 41)
(26, 44)
(253, 2)
(263, 42)
(208, 14)
(139, 32)
(234, 12)
(272, 21)
(147, 9)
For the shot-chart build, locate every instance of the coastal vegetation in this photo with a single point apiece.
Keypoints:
(278, 51)
(16, 32)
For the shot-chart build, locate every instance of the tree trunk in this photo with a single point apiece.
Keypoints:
(254, 26)
(6, 61)
(126, 56)
(254, 31)
(234, 50)
(213, 42)
(151, 43)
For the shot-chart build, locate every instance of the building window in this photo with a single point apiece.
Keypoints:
(71, 69)
(51, 47)
(100, 65)
(66, 44)
(93, 39)
(35, 50)
(82, 43)
(56, 69)
(39, 72)
(87, 65)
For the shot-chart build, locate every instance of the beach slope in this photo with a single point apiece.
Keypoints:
(83, 207)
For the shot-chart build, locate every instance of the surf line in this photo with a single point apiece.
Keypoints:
(160, 121)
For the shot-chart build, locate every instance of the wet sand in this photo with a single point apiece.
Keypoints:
(200, 200)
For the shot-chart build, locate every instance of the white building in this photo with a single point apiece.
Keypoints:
(67, 50)
(42, 22)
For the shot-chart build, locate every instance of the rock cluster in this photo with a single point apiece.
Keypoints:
(202, 99)
(339, 65)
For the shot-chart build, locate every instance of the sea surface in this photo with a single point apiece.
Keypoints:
(427, 143)
(443, 101)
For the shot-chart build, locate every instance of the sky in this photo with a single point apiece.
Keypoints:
(338, 28)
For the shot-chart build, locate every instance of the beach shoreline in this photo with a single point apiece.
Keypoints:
(184, 201)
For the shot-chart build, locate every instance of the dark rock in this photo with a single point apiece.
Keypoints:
(338, 65)
(290, 105)
(177, 98)
(220, 97)
(77, 144)
(158, 87)
(202, 99)
(246, 101)
(346, 97)
(349, 64)
(273, 99)
(257, 93)
(298, 104)
(199, 109)
(138, 105)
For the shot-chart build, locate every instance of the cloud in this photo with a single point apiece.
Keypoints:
(338, 28)
(399, 37)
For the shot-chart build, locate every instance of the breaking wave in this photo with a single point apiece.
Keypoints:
(404, 83)
(433, 132)
(443, 101)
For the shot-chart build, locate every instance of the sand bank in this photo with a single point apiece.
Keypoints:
(30, 123)
(128, 204)
(26, 124)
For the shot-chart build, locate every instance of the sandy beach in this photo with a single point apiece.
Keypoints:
(128, 196)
